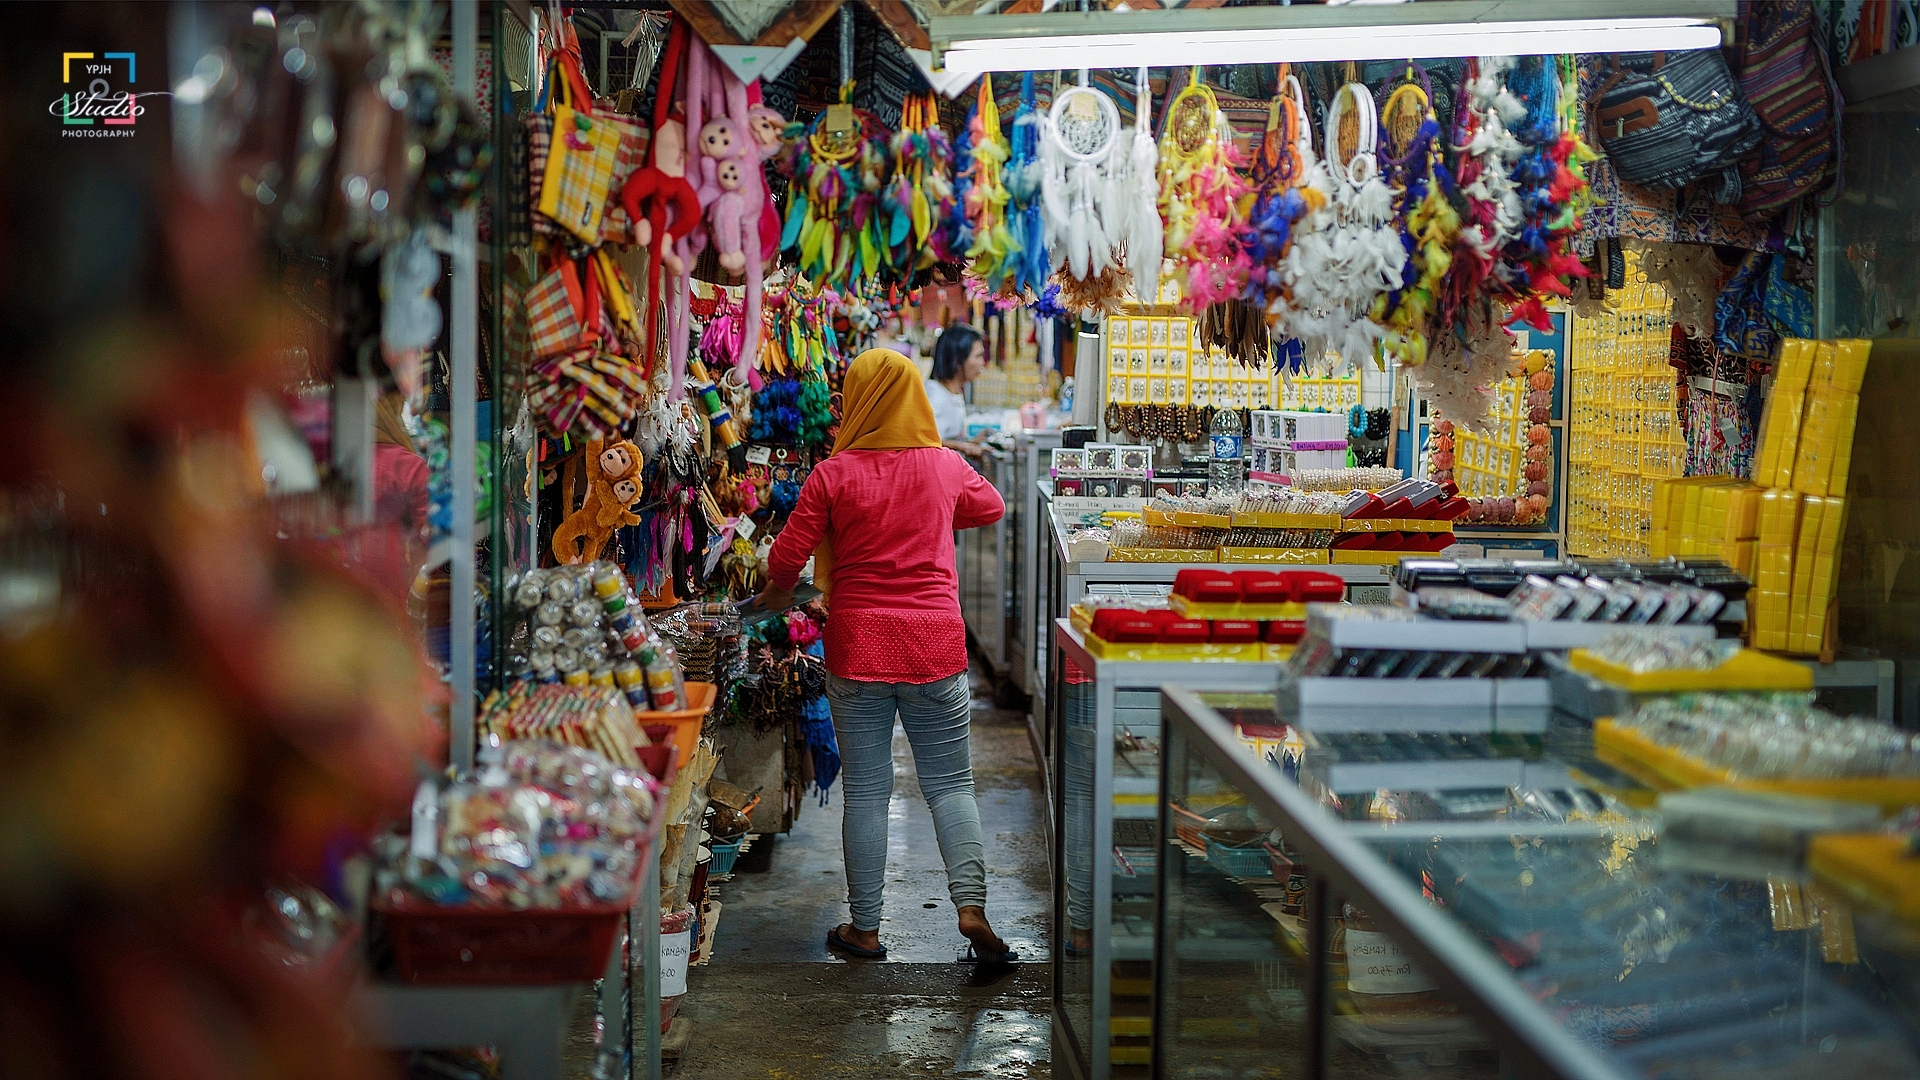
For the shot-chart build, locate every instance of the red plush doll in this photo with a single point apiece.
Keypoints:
(672, 207)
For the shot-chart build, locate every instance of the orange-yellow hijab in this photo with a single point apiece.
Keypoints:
(883, 406)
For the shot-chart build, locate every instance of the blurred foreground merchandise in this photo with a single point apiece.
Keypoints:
(195, 712)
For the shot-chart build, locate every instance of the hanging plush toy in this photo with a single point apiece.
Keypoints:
(613, 485)
(1199, 190)
(658, 199)
(766, 125)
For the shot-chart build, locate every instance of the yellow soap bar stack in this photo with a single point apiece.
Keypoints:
(1803, 458)
(1706, 516)
(1780, 424)
(1769, 602)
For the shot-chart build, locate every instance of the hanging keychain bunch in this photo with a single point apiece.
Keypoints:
(838, 165)
(921, 195)
(1026, 211)
(1199, 190)
(1289, 187)
(1539, 262)
(1492, 215)
(1417, 172)
(995, 249)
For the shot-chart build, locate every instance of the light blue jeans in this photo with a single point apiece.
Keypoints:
(935, 716)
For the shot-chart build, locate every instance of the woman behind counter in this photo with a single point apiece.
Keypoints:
(958, 358)
(881, 510)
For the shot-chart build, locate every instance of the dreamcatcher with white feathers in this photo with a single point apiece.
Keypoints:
(1357, 255)
(1080, 143)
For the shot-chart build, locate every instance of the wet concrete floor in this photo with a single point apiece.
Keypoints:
(774, 1003)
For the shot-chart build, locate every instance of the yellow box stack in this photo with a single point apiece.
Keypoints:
(1805, 454)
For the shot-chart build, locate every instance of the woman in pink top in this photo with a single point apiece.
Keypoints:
(878, 516)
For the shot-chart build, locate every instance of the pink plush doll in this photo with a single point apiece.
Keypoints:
(716, 107)
(724, 217)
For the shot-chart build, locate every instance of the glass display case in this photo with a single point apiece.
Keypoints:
(1869, 286)
(1534, 930)
(985, 565)
(1106, 798)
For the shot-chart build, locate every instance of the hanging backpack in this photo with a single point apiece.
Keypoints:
(1667, 119)
(1783, 73)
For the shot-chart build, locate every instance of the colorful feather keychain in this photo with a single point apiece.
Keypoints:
(1417, 171)
(1539, 261)
(1026, 212)
(922, 165)
(1199, 190)
(993, 248)
(837, 222)
(1487, 151)
(1285, 196)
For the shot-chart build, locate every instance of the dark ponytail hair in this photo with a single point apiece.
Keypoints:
(950, 352)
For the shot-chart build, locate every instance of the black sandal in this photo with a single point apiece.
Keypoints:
(835, 941)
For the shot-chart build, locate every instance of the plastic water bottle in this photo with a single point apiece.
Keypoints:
(1227, 472)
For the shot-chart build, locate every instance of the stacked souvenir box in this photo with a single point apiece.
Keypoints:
(1284, 443)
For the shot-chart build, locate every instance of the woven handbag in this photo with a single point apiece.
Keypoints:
(580, 155)
(1667, 119)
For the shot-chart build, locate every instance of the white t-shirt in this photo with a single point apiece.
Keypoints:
(949, 411)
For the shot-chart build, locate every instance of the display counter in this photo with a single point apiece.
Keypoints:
(1063, 580)
(1440, 928)
(998, 564)
(1105, 796)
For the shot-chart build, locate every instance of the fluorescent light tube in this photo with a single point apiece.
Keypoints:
(1309, 44)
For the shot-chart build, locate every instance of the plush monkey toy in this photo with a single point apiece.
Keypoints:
(613, 485)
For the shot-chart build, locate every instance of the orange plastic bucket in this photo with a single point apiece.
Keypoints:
(685, 722)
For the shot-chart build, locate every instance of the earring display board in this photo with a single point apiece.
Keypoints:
(1624, 433)
(1491, 464)
(1337, 391)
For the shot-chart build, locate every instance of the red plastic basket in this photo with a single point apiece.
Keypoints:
(1187, 826)
(439, 946)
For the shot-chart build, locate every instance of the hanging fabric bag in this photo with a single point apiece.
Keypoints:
(580, 157)
(555, 313)
(1783, 73)
(1667, 119)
